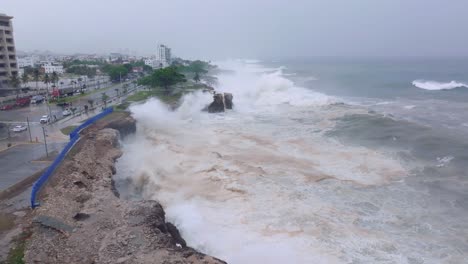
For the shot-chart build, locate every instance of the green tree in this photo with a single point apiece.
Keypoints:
(36, 77)
(116, 72)
(91, 103)
(104, 98)
(125, 88)
(15, 83)
(47, 81)
(128, 66)
(54, 79)
(198, 67)
(147, 68)
(25, 78)
(165, 77)
(196, 78)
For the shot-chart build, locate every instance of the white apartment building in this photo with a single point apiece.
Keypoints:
(153, 63)
(163, 55)
(53, 67)
(26, 62)
(8, 64)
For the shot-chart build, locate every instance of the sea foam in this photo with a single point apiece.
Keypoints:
(435, 86)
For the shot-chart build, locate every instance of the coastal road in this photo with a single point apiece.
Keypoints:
(20, 162)
(19, 116)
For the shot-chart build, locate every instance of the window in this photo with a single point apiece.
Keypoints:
(11, 49)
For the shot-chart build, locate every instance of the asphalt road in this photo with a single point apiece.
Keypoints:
(18, 162)
(34, 112)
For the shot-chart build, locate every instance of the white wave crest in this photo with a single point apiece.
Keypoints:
(435, 86)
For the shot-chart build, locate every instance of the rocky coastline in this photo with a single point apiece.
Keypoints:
(82, 219)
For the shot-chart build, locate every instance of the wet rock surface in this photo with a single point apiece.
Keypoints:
(221, 102)
(81, 220)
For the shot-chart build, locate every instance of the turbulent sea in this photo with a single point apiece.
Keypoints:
(321, 161)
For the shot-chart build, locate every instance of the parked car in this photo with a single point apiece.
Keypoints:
(23, 101)
(44, 119)
(20, 128)
(37, 99)
(7, 107)
(66, 112)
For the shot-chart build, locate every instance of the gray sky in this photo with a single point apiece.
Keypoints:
(244, 28)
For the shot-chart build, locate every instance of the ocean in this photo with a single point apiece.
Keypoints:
(322, 160)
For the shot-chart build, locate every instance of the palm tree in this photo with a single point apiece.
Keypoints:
(25, 78)
(47, 81)
(104, 98)
(36, 77)
(54, 78)
(15, 82)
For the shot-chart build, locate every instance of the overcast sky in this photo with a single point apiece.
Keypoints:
(215, 29)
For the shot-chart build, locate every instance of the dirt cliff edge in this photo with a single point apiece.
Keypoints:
(81, 220)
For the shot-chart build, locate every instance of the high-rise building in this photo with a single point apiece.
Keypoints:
(163, 55)
(8, 65)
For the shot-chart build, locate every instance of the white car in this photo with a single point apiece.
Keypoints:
(20, 128)
(44, 119)
(66, 112)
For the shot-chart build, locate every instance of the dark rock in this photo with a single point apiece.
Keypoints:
(125, 126)
(79, 184)
(228, 100)
(217, 105)
(81, 216)
(172, 229)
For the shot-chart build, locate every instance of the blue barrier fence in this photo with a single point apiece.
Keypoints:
(74, 136)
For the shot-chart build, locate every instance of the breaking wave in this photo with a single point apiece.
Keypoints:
(435, 86)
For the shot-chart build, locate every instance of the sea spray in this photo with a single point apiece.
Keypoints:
(260, 183)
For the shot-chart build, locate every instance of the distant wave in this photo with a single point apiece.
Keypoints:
(434, 86)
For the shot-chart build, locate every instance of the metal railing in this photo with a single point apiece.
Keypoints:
(74, 137)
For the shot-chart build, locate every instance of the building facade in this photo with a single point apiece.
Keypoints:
(153, 63)
(53, 67)
(163, 55)
(26, 62)
(8, 64)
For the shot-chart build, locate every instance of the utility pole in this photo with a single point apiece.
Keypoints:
(9, 136)
(29, 129)
(45, 141)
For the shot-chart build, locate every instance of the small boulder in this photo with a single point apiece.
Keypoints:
(217, 105)
(228, 100)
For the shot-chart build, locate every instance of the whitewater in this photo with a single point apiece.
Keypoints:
(435, 86)
(266, 183)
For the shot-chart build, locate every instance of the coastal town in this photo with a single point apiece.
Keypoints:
(45, 96)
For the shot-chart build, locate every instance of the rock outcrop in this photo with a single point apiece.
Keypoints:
(228, 100)
(81, 220)
(220, 103)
